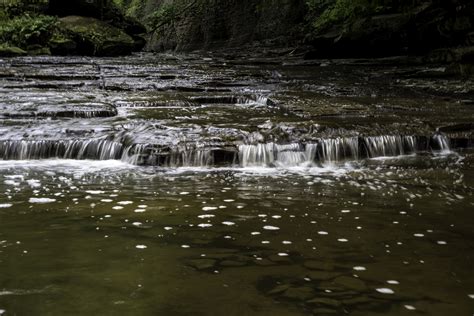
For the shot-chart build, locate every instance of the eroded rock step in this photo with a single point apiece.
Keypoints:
(210, 152)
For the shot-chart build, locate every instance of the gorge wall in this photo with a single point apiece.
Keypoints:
(332, 28)
(209, 24)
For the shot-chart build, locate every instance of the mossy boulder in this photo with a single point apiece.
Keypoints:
(97, 38)
(11, 51)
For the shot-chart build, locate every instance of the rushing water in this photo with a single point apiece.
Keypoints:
(174, 185)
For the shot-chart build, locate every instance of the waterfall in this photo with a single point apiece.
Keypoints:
(383, 146)
(97, 149)
(338, 149)
(123, 147)
(442, 142)
(259, 155)
(271, 154)
(190, 158)
(134, 154)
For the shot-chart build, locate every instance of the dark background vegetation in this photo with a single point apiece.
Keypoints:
(442, 30)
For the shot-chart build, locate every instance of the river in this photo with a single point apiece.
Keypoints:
(209, 185)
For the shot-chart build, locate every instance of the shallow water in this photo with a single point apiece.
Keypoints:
(270, 230)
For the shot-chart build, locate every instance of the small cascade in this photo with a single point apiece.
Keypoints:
(190, 158)
(259, 155)
(96, 149)
(441, 142)
(338, 149)
(146, 154)
(388, 145)
(290, 155)
(135, 154)
(126, 147)
(271, 154)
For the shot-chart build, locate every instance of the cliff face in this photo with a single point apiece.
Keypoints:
(210, 24)
(333, 28)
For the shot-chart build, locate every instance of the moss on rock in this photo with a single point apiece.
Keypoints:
(95, 37)
(11, 51)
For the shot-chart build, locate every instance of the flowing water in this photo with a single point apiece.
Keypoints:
(190, 185)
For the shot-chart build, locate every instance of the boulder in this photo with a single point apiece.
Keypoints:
(97, 38)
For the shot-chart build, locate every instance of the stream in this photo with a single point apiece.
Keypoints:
(212, 185)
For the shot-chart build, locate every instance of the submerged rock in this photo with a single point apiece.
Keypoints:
(351, 283)
(318, 265)
(299, 293)
(323, 301)
(202, 264)
(324, 311)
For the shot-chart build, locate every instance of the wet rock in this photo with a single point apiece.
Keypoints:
(279, 259)
(299, 293)
(323, 301)
(351, 283)
(202, 264)
(279, 289)
(359, 300)
(11, 51)
(318, 265)
(264, 262)
(95, 37)
(466, 127)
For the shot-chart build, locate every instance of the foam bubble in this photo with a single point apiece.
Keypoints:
(385, 290)
(204, 225)
(95, 192)
(41, 200)
(125, 202)
(359, 268)
(271, 227)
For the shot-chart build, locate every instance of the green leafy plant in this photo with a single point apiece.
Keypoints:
(26, 30)
(165, 15)
(338, 12)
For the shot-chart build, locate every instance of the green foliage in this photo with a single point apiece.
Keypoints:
(26, 30)
(170, 12)
(165, 15)
(339, 12)
(13, 8)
